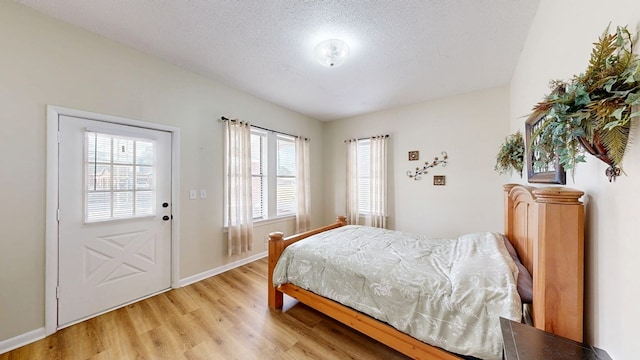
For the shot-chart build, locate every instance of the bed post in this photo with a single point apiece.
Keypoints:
(559, 277)
(508, 211)
(546, 226)
(276, 246)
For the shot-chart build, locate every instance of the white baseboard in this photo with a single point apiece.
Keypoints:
(219, 270)
(21, 340)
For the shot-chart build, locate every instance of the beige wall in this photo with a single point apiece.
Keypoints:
(470, 128)
(43, 61)
(558, 46)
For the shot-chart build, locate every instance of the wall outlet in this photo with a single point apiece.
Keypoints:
(192, 195)
(203, 194)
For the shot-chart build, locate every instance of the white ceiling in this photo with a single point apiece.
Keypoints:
(402, 51)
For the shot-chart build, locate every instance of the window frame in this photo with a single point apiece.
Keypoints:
(294, 176)
(111, 190)
(270, 175)
(263, 173)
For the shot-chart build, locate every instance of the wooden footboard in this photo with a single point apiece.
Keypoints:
(373, 328)
(356, 320)
(277, 244)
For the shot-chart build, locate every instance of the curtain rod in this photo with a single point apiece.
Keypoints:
(224, 118)
(365, 138)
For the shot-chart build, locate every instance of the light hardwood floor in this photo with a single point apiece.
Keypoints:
(223, 317)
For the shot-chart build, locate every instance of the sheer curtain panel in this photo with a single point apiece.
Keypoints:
(238, 185)
(353, 214)
(378, 176)
(303, 184)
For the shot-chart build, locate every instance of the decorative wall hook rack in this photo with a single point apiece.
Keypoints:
(417, 175)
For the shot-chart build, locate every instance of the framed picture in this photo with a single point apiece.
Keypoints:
(539, 171)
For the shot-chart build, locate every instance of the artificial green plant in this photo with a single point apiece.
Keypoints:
(511, 155)
(593, 110)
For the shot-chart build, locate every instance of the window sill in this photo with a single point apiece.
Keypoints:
(274, 220)
(264, 222)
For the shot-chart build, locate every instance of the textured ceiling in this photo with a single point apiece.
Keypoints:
(402, 52)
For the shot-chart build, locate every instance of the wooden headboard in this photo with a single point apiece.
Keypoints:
(546, 226)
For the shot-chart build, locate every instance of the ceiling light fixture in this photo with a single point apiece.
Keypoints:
(332, 52)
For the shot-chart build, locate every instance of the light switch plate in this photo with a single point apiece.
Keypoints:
(192, 195)
(439, 180)
(203, 194)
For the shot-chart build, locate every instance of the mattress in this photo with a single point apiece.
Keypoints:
(448, 293)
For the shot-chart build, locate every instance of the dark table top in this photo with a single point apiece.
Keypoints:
(524, 342)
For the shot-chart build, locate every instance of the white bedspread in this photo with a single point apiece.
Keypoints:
(446, 292)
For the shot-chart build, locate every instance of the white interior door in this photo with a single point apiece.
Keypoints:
(114, 216)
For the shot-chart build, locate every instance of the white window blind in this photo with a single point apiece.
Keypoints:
(258, 175)
(286, 202)
(273, 174)
(120, 177)
(364, 176)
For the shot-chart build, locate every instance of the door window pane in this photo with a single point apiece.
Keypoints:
(144, 153)
(120, 177)
(144, 202)
(123, 204)
(144, 177)
(98, 206)
(100, 148)
(122, 151)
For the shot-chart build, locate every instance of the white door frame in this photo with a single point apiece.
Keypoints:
(51, 208)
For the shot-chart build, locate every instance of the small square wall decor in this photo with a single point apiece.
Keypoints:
(414, 155)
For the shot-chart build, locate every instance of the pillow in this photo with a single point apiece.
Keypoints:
(525, 281)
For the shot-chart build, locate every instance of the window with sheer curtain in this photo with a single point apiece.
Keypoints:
(364, 176)
(367, 180)
(267, 176)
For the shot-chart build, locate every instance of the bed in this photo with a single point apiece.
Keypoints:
(545, 226)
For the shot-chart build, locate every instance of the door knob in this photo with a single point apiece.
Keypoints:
(164, 205)
(166, 217)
